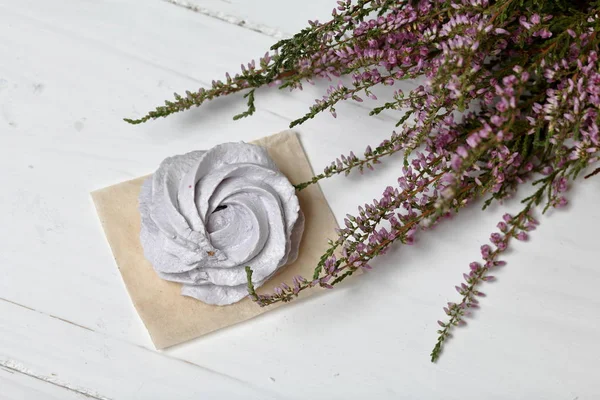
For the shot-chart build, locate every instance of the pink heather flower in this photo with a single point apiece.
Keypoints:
(495, 238)
(524, 23)
(561, 184)
(543, 33)
(521, 236)
(496, 120)
(530, 226)
(486, 250)
(561, 202)
(330, 264)
(410, 236)
(547, 170)
(456, 162)
(473, 140)
(448, 178)
(461, 151)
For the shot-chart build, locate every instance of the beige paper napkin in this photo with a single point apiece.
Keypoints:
(172, 318)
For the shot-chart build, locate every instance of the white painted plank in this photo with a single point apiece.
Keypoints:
(65, 88)
(534, 336)
(18, 386)
(103, 367)
(271, 17)
(71, 70)
(78, 71)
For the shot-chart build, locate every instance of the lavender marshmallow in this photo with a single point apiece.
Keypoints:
(206, 215)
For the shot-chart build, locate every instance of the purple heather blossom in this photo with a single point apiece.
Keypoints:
(478, 126)
(521, 236)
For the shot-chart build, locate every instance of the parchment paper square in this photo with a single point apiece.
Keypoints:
(172, 318)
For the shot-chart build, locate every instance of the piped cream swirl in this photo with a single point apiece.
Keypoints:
(206, 215)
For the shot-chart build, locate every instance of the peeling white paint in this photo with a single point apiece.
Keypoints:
(266, 30)
(14, 366)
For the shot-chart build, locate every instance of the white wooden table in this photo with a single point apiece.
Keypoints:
(70, 70)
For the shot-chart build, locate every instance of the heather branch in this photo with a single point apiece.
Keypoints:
(345, 164)
(347, 264)
(523, 75)
(479, 274)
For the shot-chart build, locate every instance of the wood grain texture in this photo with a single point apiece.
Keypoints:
(90, 364)
(22, 386)
(69, 72)
(273, 18)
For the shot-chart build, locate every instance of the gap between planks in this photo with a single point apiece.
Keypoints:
(49, 315)
(231, 19)
(256, 27)
(17, 368)
(5, 366)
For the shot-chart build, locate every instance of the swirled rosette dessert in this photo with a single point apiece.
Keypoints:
(206, 215)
